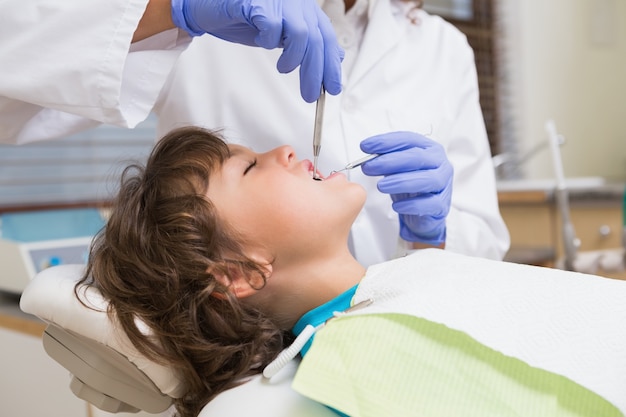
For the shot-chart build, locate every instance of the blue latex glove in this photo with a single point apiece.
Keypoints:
(300, 27)
(418, 176)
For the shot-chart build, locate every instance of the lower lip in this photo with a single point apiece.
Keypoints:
(336, 174)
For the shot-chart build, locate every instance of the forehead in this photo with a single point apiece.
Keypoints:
(238, 150)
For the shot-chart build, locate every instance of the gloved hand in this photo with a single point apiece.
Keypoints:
(300, 27)
(418, 176)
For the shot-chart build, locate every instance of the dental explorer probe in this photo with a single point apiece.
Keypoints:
(317, 131)
(358, 162)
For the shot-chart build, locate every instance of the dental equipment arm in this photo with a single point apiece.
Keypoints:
(418, 176)
(300, 27)
(570, 241)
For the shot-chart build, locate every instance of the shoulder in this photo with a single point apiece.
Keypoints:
(440, 40)
(424, 31)
(437, 28)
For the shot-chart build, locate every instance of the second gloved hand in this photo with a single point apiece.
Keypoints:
(418, 176)
(300, 27)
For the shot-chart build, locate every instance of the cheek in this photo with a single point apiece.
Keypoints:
(264, 212)
(318, 209)
(280, 214)
(284, 209)
(291, 210)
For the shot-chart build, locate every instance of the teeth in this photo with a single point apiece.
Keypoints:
(315, 175)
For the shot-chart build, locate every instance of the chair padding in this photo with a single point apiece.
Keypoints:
(50, 296)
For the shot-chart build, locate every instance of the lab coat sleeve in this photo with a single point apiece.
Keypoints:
(64, 61)
(474, 224)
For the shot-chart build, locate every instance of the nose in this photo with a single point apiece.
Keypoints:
(285, 155)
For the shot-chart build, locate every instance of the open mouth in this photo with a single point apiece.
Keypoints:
(316, 175)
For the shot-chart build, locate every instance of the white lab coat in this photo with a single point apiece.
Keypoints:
(418, 77)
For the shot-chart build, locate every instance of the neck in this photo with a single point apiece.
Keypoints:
(349, 4)
(297, 287)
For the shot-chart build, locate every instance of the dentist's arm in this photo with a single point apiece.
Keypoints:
(73, 63)
(156, 19)
(53, 77)
(299, 27)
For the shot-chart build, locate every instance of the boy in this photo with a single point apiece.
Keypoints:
(221, 251)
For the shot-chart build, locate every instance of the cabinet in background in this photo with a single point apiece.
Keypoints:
(535, 224)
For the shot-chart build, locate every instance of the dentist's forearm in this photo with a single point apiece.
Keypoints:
(156, 19)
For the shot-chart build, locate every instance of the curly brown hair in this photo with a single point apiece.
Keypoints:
(155, 261)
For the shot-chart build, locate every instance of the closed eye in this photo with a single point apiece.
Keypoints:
(252, 165)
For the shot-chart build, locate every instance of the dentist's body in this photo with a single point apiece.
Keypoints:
(68, 65)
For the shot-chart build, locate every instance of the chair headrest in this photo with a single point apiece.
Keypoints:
(50, 296)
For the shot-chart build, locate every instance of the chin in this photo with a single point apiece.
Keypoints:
(362, 195)
(349, 201)
(358, 206)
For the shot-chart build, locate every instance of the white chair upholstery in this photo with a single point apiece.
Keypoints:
(109, 373)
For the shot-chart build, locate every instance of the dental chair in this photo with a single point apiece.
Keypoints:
(108, 372)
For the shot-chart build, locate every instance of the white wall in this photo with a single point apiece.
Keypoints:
(32, 384)
(569, 62)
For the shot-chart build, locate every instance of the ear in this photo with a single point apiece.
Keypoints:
(240, 283)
